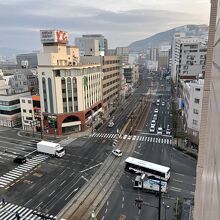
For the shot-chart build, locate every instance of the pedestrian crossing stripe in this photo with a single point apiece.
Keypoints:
(160, 140)
(17, 172)
(8, 211)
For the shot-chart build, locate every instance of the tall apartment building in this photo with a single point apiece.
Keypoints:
(71, 93)
(92, 45)
(207, 198)
(111, 77)
(188, 57)
(163, 57)
(192, 95)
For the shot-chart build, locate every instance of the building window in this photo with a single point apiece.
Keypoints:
(50, 95)
(24, 110)
(196, 111)
(196, 101)
(44, 94)
(23, 100)
(197, 89)
(195, 122)
(30, 111)
(29, 101)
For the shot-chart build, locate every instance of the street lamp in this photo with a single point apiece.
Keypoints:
(165, 208)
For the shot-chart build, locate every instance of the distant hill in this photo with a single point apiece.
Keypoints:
(10, 52)
(166, 36)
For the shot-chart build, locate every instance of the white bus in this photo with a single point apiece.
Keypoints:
(150, 169)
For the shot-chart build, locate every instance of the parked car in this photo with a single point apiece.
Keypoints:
(117, 153)
(160, 131)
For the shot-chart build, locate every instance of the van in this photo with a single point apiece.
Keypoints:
(20, 159)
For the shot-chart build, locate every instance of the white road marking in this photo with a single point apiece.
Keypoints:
(82, 171)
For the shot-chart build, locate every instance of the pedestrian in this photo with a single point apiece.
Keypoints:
(17, 216)
(3, 201)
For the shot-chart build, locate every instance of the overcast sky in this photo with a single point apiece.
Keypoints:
(120, 21)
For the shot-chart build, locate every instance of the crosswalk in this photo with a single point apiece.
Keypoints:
(8, 211)
(151, 139)
(17, 172)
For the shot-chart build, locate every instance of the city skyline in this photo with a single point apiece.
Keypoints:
(134, 20)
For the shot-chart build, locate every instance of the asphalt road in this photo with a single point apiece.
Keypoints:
(47, 184)
(183, 170)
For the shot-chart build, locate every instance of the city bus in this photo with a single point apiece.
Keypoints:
(150, 169)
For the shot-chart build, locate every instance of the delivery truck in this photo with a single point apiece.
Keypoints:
(53, 149)
(151, 185)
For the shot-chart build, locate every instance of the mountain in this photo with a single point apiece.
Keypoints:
(10, 52)
(166, 36)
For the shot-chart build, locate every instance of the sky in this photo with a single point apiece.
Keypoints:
(120, 21)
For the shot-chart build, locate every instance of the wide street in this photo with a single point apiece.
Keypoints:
(47, 184)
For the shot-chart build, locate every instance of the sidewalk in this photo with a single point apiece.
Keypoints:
(182, 147)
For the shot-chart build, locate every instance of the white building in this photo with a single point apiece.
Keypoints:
(192, 94)
(188, 57)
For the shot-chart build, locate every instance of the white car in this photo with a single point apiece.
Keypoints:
(168, 132)
(155, 117)
(156, 110)
(153, 123)
(110, 124)
(152, 129)
(117, 153)
(159, 131)
(163, 103)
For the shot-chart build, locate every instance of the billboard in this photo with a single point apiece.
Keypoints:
(53, 36)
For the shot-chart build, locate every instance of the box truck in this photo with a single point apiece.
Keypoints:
(53, 149)
(151, 185)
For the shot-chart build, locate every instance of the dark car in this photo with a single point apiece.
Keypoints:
(20, 159)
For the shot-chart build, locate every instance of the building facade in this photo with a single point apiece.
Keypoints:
(28, 60)
(207, 198)
(70, 93)
(192, 95)
(123, 52)
(131, 74)
(31, 113)
(10, 111)
(92, 45)
(163, 57)
(111, 77)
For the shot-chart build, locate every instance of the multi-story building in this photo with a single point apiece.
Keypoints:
(192, 58)
(131, 74)
(31, 113)
(163, 57)
(111, 77)
(10, 111)
(192, 95)
(70, 93)
(123, 52)
(28, 60)
(188, 57)
(22, 80)
(175, 51)
(207, 199)
(92, 45)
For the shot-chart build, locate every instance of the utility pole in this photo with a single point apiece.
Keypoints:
(159, 200)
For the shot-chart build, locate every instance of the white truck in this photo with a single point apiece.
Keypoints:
(50, 148)
(151, 185)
